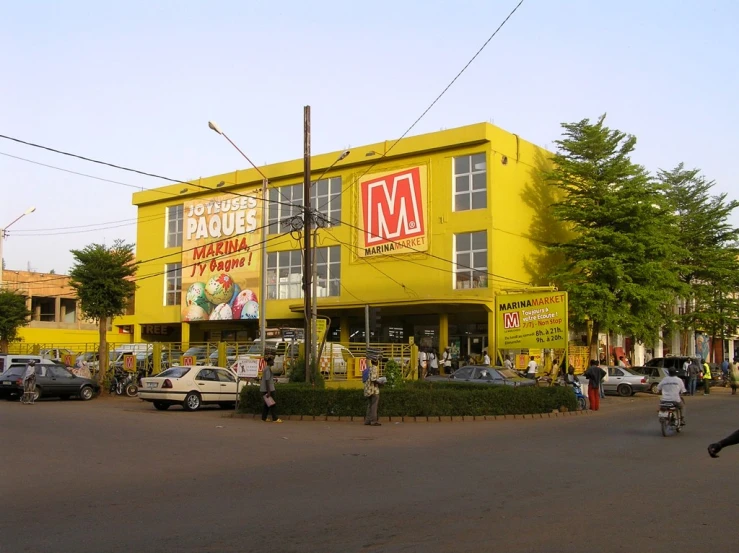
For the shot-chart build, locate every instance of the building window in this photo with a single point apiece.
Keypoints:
(174, 226)
(328, 271)
(326, 198)
(172, 283)
(471, 255)
(280, 209)
(470, 182)
(285, 275)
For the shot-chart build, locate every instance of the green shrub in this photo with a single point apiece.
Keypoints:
(394, 374)
(415, 399)
(296, 372)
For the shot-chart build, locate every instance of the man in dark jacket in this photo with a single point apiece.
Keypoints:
(595, 375)
(693, 370)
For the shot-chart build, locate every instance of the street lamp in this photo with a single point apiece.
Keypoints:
(3, 232)
(265, 217)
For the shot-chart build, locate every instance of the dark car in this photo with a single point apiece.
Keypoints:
(677, 363)
(481, 374)
(200, 353)
(51, 381)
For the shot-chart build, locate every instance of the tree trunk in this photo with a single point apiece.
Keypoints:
(3, 346)
(103, 349)
(594, 343)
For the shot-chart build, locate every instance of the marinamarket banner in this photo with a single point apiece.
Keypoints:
(393, 212)
(220, 258)
(531, 321)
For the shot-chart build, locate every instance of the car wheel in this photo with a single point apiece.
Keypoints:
(161, 406)
(192, 402)
(36, 393)
(624, 390)
(86, 393)
(132, 390)
(653, 388)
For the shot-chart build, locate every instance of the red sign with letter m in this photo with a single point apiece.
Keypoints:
(511, 320)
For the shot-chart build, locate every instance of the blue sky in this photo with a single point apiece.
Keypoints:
(135, 83)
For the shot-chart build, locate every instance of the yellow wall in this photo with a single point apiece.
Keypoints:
(60, 337)
(507, 220)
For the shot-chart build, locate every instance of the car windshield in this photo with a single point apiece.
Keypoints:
(508, 373)
(174, 372)
(15, 371)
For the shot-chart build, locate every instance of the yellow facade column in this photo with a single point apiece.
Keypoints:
(137, 334)
(344, 329)
(185, 336)
(492, 352)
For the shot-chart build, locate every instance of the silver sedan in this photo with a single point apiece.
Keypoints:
(481, 374)
(624, 382)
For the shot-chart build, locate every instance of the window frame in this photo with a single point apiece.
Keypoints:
(174, 276)
(274, 270)
(327, 258)
(474, 273)
(471, 192)
(179, 221)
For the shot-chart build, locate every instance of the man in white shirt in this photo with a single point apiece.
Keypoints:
(446, 361)
(672, 387)
(485, 358)
(29, 382)
(507, 363)
(531, 372)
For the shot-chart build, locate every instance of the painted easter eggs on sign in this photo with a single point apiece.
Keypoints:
(196, 296)
(194, 313)
(219, 289)
(236, 292)
(222, 312)
(250, 311)
(241, 300)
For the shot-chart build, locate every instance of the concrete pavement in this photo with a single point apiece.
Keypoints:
(115, 475)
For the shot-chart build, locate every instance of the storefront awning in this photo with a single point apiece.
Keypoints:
(419, 306)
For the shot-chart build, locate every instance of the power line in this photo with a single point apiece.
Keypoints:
(432, 104)
(137, 171)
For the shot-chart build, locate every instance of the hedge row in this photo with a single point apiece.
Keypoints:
(415, 399)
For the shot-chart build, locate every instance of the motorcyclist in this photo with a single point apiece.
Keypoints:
(671, 388)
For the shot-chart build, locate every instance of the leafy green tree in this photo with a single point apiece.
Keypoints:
(709, 266)
(102, 278)
(620, 267)
(13, 315)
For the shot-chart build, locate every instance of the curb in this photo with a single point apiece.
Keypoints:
(404, 419)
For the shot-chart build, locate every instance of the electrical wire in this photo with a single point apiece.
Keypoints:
(137, 171)
(409, 129)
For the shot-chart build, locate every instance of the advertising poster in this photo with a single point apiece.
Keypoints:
(393, 212)
(221, 258)
(531, 321)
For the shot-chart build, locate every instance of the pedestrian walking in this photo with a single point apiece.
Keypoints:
(621, 362)
(267, 388)
(692, 371)
(423, 363)
(29, 382)
(446, 361)
(485, 358)
(433, 363)
(507, 362)
(595, 376)
(372, 393)
(734, 377)
(532, 367)
(706, 379)
(725, 369)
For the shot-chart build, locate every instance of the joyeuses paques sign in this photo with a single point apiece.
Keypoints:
(220, 269)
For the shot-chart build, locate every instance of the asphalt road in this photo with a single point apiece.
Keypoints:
(114, 475)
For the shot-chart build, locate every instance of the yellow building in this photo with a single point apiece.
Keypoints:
(428, 231)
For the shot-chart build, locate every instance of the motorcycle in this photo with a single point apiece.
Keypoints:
(669, 418)
(582, 403)
(123, 383)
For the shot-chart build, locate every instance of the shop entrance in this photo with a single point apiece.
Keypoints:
(470, 345)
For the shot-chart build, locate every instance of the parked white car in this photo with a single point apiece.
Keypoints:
(191, 387)
(337, 355)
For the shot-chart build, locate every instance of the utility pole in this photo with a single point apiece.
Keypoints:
(314, 297)
(2, 261)
(307, 258)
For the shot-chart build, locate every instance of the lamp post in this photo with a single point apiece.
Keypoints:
(265, 219)
(3, 232)
(314, 296)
